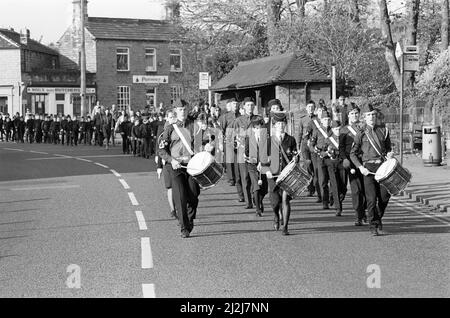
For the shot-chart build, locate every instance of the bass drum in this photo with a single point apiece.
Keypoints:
(205, 170)
(392, 176)
(294, 179)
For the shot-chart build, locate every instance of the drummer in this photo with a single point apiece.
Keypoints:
(279, 158)
(177, 153)
(355, 177)
(372, 145)
(256, 153)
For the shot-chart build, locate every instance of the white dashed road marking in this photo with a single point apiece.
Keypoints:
(39, 152)
(85, 160)
(147, 258)
(124, 184)
(13, 149)
(115, 173)
(141, 221)
(100, 165)
(148, 290)
(133, 198)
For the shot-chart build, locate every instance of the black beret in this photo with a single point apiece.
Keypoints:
(335, 123)
(274, 102)
(353, 107)
(369, 108)
(248, 99)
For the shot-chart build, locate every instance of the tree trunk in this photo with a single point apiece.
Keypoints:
(389, 44)
(301, 7)
(413, 19)
(444, 25)
(355, 10)
(273, 18)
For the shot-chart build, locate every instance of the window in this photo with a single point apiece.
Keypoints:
(60, 109)
(3, 104)
(76, 101)
(150, 60)
(123, 97)
(150, 97)
(175, 60)
(60, 97)
(39, 104)
(175, 93)
(123, 63)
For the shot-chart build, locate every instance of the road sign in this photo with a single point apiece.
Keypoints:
(411, 62)
(145, 79)
(203, 81)
(411, 49)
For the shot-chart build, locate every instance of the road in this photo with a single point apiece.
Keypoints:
(86, 222)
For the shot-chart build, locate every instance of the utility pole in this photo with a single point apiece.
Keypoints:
(401, 107)
(83, 59)
(333, 83)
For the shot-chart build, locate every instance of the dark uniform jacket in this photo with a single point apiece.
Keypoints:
(38, 124)
(363, 150)
(30, 124)
(64, 125)
(171, 145)
(319, 142)
(277, 160)
(75, 126)
(347, 138)
(146, 130)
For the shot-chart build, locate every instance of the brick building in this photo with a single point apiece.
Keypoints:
(137, 63)
(31, 79)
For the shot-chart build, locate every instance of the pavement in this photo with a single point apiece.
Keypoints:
(63, 208)
(429, 186)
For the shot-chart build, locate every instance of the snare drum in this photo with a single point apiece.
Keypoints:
(294, 179)
(205, 170)
(392, 176)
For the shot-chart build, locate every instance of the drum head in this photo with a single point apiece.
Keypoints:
(385, 169)
(286, 171)
(199, 163)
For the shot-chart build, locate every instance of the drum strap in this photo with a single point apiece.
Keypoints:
(183, 140)
(324, 134)
(353, 131)
(282, 151)
(373, 144)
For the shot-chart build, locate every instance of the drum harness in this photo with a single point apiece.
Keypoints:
(372, 143)
(183, 140)
(333, 141)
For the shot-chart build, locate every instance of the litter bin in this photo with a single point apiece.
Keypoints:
(431, 145)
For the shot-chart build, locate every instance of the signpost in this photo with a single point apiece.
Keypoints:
(409, 61)
(204, 82)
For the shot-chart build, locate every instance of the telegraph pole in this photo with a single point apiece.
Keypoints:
(83, 59)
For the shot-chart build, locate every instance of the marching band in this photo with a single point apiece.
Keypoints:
(259, 157)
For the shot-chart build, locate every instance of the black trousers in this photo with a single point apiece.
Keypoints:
(238, 180)
(246, 183)
(336, 173)
(324, 178)
(377, 197)
(125, 144)
(358, 195)
(315, 163)
(146, 147)
(185, 192)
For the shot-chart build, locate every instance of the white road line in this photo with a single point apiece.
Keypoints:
(124, 184)
(141, 221)
(49, 158)
(14, 149)
(39, 152)
(133, 198)
(148, 290)
(46, 187)
(115, 173)
(103, 166)
(104, 156)
(85, 160)
(63, 156)
(411, 208)
(147, 258)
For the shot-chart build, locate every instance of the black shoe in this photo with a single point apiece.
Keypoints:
(249, 207)
(259, 213)
(375, 232)
(276, 224)
(285, 231)
(173, 214)
(319, 200)
(358, 223)
(185, 234)
(338, 213)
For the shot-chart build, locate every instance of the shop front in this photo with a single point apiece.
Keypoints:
(59, 100)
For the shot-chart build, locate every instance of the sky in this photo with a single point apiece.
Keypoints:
(50, 18)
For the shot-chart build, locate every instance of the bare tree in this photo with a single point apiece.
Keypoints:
(273, 19)
(389, 54)
(301, 7)
(444, 25)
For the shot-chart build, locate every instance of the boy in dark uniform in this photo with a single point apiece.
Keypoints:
(172, 149)
(125, 132)
(281, 149)
(371, 147)
(355, 177)
(256, 153)
(75, 131)
(29, 130)
(38, 129)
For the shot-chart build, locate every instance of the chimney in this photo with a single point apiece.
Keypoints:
(76, 18)
(24, 37)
